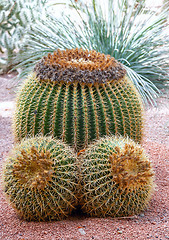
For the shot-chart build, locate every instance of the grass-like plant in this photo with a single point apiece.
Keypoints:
(124, 29)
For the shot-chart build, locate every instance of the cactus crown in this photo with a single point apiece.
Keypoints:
(33, 169)
(127, 167)
(78, 66)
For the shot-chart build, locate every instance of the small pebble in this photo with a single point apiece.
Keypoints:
(142, 215)
(82, 231)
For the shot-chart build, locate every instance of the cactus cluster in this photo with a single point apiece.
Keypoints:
(78, 96)
(116, 178)
(71, 110)
(40, 179)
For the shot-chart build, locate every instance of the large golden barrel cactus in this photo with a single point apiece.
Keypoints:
(78, 96)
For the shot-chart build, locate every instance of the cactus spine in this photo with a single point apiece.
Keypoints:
(40, 179)
(78, 96)
(116, 178)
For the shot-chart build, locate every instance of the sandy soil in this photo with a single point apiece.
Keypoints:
(152, 224)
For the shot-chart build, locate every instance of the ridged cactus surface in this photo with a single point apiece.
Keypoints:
(78, 96)
(40, 179)
(116, 178)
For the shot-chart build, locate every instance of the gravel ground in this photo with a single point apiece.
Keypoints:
(151, 224)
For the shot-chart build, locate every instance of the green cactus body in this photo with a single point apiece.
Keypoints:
(78, 96)
(116, 178)
(40, 179)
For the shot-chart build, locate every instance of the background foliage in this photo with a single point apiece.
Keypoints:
(16, 16)
(125, 29)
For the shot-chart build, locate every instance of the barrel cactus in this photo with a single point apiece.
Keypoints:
(116, 178)
(77, 96)
(40, 179)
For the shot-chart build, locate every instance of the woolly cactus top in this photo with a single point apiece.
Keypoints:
(78, 66)
(129, 166)
(36, 172)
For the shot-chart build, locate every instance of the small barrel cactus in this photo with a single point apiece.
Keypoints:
(116, 178)
(40, 179)
(78, 96)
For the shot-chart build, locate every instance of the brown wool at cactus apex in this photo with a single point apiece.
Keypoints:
(76, 65)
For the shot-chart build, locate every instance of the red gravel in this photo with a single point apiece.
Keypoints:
(152, 224)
